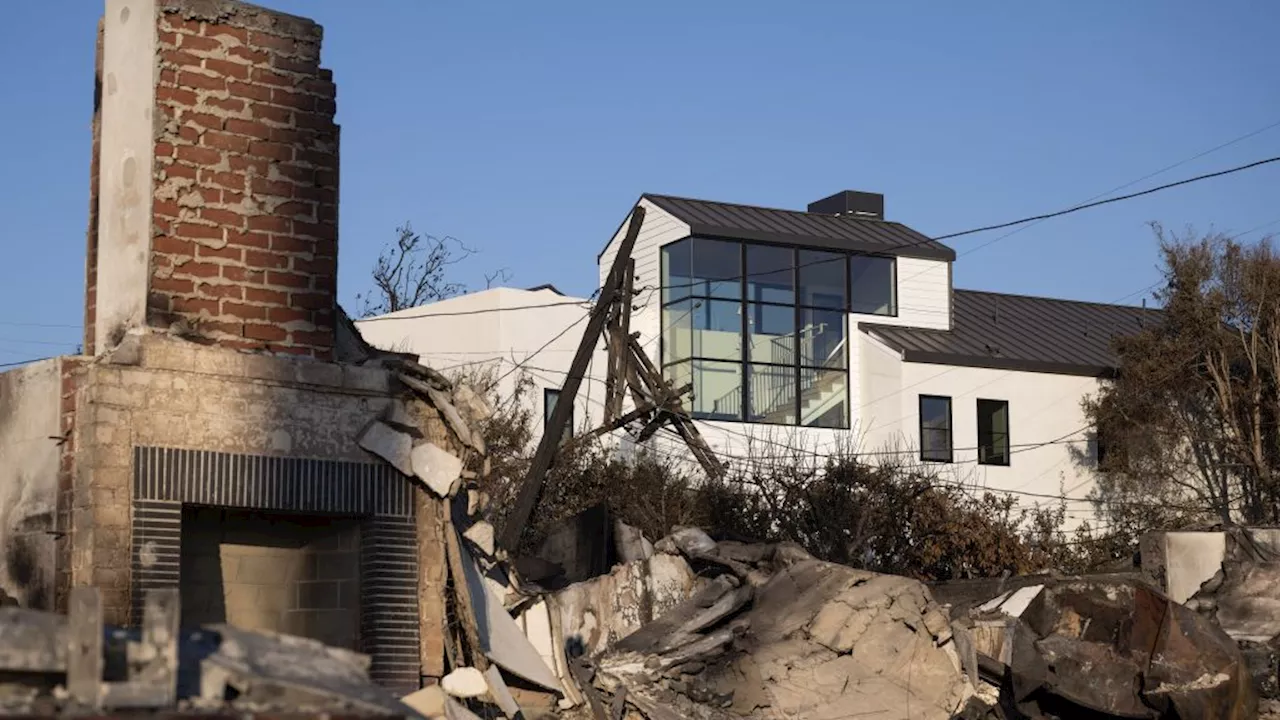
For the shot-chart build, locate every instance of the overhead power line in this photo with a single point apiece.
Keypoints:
(38, 325)
(1118, 198)
(24, 362)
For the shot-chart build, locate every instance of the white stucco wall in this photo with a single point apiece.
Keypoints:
(125, 170)
(29, 457)
(497, 329)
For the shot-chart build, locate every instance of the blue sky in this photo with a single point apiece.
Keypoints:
(527, 129)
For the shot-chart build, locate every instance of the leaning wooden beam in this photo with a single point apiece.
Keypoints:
(623, 421)
(622, 332)
(531, 487)
(652, 377)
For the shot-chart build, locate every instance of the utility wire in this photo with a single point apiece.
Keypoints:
(1131, 183)
(1022, 221)
(39, 325)
(1119, 198)
(25, 362)
(461, 313)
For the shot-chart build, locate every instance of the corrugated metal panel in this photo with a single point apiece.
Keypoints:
(263, 482)
(746, 222)
(1020, 332)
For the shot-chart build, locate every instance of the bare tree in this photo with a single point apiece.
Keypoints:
(414, 269)
(1190, 423)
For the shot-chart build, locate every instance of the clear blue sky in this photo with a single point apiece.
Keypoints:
(528, 129)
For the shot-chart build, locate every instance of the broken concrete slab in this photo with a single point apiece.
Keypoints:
(688, 540)
(465, 682)
(398, 417)
(472, 404)
(392, 445)
(500, 693)
(428, 702)
(268, 667)
(454, 419)
(437, 468)
(631, 544)
(501, 638)
(598, 612)
(482, 535)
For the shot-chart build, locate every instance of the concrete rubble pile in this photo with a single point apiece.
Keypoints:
(1243, 598)
(1101, 647)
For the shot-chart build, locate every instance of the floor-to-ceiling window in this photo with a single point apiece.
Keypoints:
(760, 331)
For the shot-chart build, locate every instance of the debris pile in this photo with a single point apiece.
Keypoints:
(1243, 598)
(608, 623)
(52, 665)
(1103, 647)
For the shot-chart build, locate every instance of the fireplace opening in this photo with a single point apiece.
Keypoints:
(287, 573)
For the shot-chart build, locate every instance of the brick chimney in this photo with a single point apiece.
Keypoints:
(214, 206)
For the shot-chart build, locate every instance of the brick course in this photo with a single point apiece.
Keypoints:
(245, 207)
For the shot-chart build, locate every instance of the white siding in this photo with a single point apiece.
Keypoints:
(924, 295)
(660, 228)
(484, 330)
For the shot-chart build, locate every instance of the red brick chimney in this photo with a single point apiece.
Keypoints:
(214, 206)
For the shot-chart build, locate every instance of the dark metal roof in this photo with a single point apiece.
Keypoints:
(1016, 332)
(794, 227)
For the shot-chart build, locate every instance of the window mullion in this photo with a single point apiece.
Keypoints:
(797, 330)
(744, 412)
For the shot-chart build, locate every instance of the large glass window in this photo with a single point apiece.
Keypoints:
(993, 432)
(761, 331)
(822, 279)
(935, 428)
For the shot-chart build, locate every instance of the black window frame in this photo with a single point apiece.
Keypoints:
(548, 408)
(696, 295)
(987, 443)
(950, 429)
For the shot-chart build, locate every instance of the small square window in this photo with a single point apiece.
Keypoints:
(935, 428)
(993, 432)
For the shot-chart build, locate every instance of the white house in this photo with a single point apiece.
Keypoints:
(819, 329)
(506, 332)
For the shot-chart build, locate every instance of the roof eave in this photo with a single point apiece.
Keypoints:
(920, 251)
(998, 363)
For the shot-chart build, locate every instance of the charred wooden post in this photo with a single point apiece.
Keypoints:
(550, 443)
(629, 368)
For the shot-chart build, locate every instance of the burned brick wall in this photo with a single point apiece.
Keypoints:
(246, 179)
(240, 212)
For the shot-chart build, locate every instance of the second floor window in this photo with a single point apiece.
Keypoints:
(993, 432)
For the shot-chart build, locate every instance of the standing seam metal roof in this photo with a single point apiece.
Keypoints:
(1019, 332)
(793, 227)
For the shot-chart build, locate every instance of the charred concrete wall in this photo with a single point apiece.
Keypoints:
(216, 193)
(30, 456)
(155, 390)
